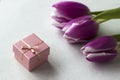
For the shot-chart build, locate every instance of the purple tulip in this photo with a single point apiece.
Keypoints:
(101, 49)
(81, 29)
(68, 10)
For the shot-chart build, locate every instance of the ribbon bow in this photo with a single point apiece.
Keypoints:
(33, 49)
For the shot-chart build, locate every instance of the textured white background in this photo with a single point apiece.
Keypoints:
(19, 18)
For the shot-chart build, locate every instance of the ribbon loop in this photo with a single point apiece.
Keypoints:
(28, 47)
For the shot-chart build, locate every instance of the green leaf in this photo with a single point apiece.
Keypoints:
(109, 14)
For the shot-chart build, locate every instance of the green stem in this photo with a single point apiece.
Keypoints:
(95, 12)
(105, 15)
(118, 47)
(102, 20)
(109, 14)
(117, 37)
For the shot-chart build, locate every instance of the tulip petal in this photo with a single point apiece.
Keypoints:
(71, 9)
(102, 56)
(58, 24)
(83, 29)
(101, 49)
(100, 44)
(76, 20)
(60, 19)
(57, 14)
(74, 40)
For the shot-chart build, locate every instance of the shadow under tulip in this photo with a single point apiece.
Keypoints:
(109, 67)
(112, 66)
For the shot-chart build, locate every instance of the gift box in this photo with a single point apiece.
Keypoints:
(31, 52)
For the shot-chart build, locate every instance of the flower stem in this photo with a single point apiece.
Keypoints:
(117, 37)
(109, 14)
(102, 20)
(95, 12)
(118, 47)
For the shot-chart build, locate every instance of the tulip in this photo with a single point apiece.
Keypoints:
(81, 29)
(101, 49)
(68, 10)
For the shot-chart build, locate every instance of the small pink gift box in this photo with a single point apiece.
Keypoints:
(31, 52)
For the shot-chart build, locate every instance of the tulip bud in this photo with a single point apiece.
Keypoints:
(81, 29)
(68, 10)
(101, 49)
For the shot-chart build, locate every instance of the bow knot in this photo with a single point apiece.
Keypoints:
(33, 49)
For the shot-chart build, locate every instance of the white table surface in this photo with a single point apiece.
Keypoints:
(19, 18)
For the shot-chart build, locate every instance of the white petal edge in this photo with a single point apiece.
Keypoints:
(56, 13)
(73, 40)
(57, 24)
(90, 49)
(92, 55)
(69, 26)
